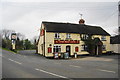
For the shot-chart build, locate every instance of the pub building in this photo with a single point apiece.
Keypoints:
(59, 38)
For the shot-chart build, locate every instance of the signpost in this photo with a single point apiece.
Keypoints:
(13, 38)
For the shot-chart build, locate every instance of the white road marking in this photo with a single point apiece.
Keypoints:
(24, 56)
(51, 73)
(21, 55)
(108, 60)
(106, 71)
(15, 61)
(75, 66)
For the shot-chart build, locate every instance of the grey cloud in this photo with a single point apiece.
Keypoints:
(29, 15)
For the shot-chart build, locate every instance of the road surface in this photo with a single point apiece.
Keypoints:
(26, 64)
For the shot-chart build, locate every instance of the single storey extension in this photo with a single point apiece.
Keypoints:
(115, 44)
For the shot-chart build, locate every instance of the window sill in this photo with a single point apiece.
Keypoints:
(57, 38)
(103, 40)
(103, 50)
(83, 50)
(84, 39)
(68, 39)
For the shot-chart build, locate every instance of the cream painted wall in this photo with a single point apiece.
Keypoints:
(115, 48)
(107, 42)
(49, 39)
(40, 42)
(119, 48)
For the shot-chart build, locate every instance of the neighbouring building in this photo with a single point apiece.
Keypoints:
(115, 44)
(115, 40)
(68, 37)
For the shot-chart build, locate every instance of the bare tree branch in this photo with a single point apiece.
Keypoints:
(20, 36)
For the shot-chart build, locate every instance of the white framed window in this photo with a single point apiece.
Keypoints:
(84, 48)
(57, 48)
(103, 38)
(103, 47)
(68, 36)
(84, 36)
(57, 35)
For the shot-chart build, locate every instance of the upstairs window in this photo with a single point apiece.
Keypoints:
(103, 47)
(103, 38)
(68, 36)
(84, 48)
(57, 35)
(84, 37)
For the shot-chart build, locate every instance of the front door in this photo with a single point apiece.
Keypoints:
(68, 49)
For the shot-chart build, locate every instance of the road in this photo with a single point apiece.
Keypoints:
(26, 64)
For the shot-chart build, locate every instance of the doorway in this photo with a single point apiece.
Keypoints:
(98, 49)
(68, 49)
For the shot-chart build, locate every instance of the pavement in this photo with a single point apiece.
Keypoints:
(27, 64)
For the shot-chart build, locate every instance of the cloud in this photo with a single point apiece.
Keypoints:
(26, 17)
(60, 0)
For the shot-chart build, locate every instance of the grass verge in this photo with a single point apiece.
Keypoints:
(15, 52)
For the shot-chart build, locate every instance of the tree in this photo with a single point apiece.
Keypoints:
(19, 41)
(19, 44)
(6, 34)
(34, 42)
(6, 43)
(27, 44)
(90, 43)
(93, 45)
(20, 36)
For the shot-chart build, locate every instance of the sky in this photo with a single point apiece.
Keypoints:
(25, 16)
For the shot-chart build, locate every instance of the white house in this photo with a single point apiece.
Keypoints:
(115, 44)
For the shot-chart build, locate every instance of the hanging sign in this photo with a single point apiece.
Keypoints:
(42, 32)
(13, 36)
(66, 41)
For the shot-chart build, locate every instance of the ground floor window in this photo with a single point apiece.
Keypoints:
(57, 48)
(103, 47)
(84, 48)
